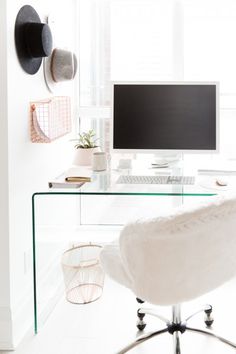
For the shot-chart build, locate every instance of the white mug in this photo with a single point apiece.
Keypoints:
(99, 161)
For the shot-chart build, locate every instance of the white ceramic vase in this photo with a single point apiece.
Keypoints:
(83, 157)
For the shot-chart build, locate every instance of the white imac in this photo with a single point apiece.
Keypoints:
(165, 117)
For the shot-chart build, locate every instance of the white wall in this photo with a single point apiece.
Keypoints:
(5, 313)
(25, 166)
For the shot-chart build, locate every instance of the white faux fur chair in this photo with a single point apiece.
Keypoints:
(176, 258)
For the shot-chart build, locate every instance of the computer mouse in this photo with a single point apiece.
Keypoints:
(221, 182)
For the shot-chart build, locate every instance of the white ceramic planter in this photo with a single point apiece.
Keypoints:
(83, 157)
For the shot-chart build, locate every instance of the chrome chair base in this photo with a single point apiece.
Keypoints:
(174, 327)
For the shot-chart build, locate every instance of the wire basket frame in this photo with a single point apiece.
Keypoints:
(83, 274)
(50, 119)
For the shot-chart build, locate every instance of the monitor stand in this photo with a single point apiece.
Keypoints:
(166, 160)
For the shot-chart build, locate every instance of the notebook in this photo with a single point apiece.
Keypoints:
(78, 174)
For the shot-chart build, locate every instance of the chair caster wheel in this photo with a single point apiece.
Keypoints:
(141, 326)
(209, 323)
(208, 318)
(140, 301)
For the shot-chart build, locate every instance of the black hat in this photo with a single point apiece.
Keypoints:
(33, 39)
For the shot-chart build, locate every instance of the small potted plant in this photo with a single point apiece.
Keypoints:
(85, 147)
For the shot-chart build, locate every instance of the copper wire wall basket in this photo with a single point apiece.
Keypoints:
(50, 119)
(83, 274)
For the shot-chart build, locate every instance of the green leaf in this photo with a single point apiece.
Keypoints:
(86, 140)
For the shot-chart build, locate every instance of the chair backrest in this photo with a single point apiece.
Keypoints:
(182, 256)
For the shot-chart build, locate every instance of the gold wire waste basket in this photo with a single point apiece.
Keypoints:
(83, 274)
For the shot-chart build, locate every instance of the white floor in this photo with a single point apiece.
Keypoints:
(106, 325)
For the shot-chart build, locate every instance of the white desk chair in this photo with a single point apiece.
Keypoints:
(170, 260)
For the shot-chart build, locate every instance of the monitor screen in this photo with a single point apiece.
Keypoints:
(165, 116)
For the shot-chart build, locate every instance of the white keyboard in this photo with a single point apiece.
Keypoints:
(131, 179)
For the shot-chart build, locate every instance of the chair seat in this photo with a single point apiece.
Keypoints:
(176, 258)
(111, 261)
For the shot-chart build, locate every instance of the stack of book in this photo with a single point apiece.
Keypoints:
(74, 177)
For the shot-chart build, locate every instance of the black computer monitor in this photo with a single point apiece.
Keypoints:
(152, 117)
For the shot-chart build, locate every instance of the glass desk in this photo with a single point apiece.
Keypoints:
(104, 183)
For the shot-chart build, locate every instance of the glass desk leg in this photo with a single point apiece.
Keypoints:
(34, 267)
